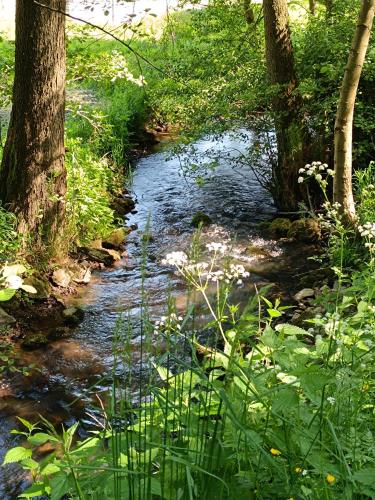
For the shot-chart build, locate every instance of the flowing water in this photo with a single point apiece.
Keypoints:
(72, 369)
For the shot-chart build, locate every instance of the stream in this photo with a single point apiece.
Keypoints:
(72, 369)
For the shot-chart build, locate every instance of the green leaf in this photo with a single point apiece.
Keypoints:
(59, 486)
(50, 469)
(287, 329)
(17, 454)
(26, 423)
(285, 400)
(35, 490)
(41, 438)
(6, 294)
(365, 476)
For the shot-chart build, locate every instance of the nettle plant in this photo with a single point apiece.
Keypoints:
(262, 409)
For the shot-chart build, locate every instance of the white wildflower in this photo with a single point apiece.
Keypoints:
(14, 282)
(177, 259)
(331, 400)
(217, 247)
(300, 180)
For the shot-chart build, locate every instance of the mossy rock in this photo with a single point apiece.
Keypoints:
(116, 240)
(42, 287)
(264, 225)
(97, 255)
(279, 228)
(122, 206)
(201, 219)
(305, 230)
(35, 341)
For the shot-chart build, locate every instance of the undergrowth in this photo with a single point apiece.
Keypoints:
(244, 406)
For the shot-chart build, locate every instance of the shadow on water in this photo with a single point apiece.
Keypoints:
(72, 370)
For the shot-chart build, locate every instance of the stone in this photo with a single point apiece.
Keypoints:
(122, 205)
(116, 240)
(61, 278)
(96, 244)
(200, 218)
(42, 287)
(116, 255)
(73, 316)
(305, 230)
(35, 341)
(85, 278)
(305, 293)
(5, 318)
(100, 255)
(279, 228)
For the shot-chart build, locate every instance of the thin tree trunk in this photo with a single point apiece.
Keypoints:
(329, 8)
(342, 188)
(286, 104)
(249, 12)
(312, 7)
(32, 175)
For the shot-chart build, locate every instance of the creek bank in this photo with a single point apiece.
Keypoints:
(33, 321)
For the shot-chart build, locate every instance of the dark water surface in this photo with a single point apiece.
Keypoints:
(73, 368)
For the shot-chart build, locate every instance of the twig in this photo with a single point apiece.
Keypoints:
(109, 33)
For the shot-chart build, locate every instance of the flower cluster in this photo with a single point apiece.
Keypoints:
(217, 247)
(234, 272)
(367, 231)
(200, 273)
(315, 169)
(176, 259)
(170, 322)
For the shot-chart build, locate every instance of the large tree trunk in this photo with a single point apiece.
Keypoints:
(32, 175)
(286, 104)
(342, 188)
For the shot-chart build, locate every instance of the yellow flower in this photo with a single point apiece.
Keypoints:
(298, 470)
(291, 498)
(330, 478)
(365, 387)
(275, 451)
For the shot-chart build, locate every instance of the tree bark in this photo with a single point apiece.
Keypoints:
(32, 174)
(342, 187)
(286, 104)
(312, 7)
(249, 12)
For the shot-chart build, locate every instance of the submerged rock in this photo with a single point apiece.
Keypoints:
(200, 218)
(73, 316)
(305, 230)
(279, 228)
(61, 278)
(34, 341)
(61, 332)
